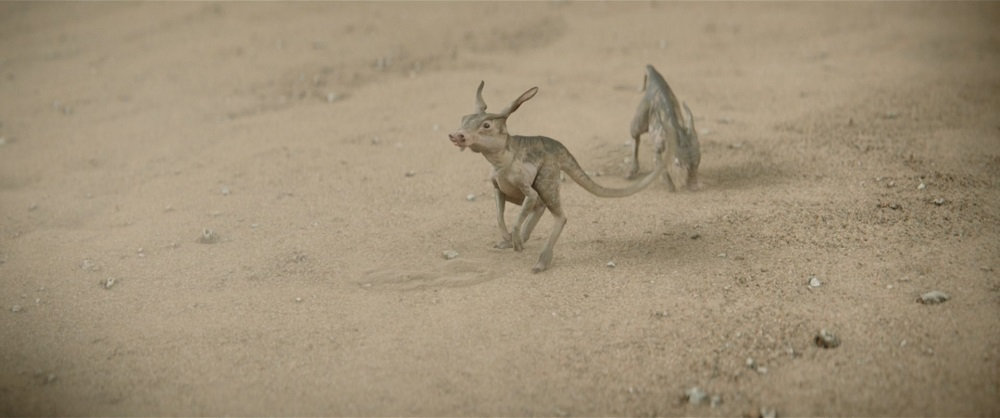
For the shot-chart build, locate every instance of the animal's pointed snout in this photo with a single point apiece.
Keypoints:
(457, 138)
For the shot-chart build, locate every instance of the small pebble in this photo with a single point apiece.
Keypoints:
(450, 254)
(921, 186)
(108, 283)
(768, 413)
(933, 297)
(695, 395)
(208, 236)
(939, 201)
(814, 282)
(470, 197)
(224, 190)
(16, 308)
(298, 300)
(611, 264)
(826, 339)
(88, 265)
(411, 173)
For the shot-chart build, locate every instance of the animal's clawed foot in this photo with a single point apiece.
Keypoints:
(518, 244)
(632, 172)
(543, 262)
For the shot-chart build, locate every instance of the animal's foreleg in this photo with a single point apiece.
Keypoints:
(505, 238)
(529, 225)
(530, 200)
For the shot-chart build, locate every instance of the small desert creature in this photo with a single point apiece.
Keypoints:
(673, 137)
(526, 172)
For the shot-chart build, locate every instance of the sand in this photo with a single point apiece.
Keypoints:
(855, 143)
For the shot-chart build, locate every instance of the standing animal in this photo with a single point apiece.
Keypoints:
(526, 172)
(673, 137)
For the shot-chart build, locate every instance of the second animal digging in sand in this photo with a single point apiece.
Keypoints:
(675, 139)
(526, 172)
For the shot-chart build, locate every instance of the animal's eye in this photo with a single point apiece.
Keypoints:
(486, 125)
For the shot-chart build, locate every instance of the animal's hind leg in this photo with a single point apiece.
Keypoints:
(658, 153)
(551, 199)
(634, 169)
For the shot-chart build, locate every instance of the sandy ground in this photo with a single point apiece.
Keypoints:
(311, 138)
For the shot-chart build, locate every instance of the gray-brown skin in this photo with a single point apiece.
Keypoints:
(526, 172)
(673, 137)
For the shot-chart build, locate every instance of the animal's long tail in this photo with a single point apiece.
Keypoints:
(575, 172)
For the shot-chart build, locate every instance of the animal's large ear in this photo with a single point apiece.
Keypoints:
(480, 104)
(688, 118)
(517, 103)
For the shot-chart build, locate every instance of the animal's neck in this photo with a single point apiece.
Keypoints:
(501, 157)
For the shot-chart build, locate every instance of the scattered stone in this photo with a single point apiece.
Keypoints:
(3, 141)
(695, 395)
(892, 183)
(16, 308)
(470, 197)
(89, 265)
(750, 363)
(108, 283)
(921, 186)
(695, 235)
(611, 264)
(768, 413)
(208, 236)
(298, 300)
(225, 190)
(939, 201)
(332, 97)
(450, 254)
(411, 173)
(49, 378)
(826, 339)
(814, 282)
(33, 207)
(933, 298)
